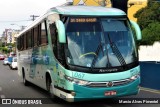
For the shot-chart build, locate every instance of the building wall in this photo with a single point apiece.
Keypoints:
(14, 36)
(150, 53)
(9, 35)
(138, 4)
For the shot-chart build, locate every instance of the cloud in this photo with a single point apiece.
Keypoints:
(14, 10)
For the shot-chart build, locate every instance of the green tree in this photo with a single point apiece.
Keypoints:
(4, 50)
(149, 14)
(151, 34)
(148, 19)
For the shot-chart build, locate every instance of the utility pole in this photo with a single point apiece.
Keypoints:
(33, 17)
(21, 27)
(120, 4)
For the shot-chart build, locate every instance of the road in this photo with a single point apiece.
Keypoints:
(11, 86)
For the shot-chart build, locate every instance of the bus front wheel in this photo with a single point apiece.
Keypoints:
(25, 82)
(50, 87)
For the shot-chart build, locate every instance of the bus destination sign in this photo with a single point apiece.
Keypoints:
(83, 20)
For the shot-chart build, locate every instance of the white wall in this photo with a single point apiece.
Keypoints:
(150, 53)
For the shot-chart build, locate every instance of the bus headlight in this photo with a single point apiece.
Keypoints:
(76, 81)
(134, 77)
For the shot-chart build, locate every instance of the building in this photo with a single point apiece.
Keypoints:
(134, 6)
(14, 35)
(8, 35)
(3, 38)
(150, 52)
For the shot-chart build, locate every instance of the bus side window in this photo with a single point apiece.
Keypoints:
(20, 43)
(32, 37)
(35, 36)
(29, 38)
(53, 33)
(18, 46)
(25, 41)
(61, 53)
(134, 32)
(58, 48)
(44, 38)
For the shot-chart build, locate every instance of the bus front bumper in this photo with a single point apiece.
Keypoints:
(87, 93)
(82, 93)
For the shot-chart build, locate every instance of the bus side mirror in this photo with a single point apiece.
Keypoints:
(61, 31)
(137, 30)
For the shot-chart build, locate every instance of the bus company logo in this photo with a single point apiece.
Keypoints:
(108, 70)
(6, 101)
(109, 84)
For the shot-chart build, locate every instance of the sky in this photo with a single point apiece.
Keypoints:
(16, 13)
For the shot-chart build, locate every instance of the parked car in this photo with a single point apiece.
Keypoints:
(13, 64)
(5, 61)
(2, 57)
(10, 59)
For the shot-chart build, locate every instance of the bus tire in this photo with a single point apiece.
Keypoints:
(25, 82)
(50, 87)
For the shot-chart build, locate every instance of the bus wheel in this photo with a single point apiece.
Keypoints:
(25, 82)
(50, 88)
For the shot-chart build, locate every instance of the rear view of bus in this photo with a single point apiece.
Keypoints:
(100, 52)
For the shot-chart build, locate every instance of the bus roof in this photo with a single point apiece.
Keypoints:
(78, 10)
(88, 10)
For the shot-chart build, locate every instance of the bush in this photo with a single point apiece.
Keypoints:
(4, 50)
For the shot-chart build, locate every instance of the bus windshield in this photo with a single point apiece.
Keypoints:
(100, 42)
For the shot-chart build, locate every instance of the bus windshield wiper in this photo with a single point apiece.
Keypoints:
(97, 53)
(117, 53)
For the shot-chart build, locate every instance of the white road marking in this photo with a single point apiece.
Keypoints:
(0, 88)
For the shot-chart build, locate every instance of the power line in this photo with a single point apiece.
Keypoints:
(4, 21)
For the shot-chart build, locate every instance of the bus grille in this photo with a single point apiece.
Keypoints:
(106, 84)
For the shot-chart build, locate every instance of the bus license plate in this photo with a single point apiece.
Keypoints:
(110, 93)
